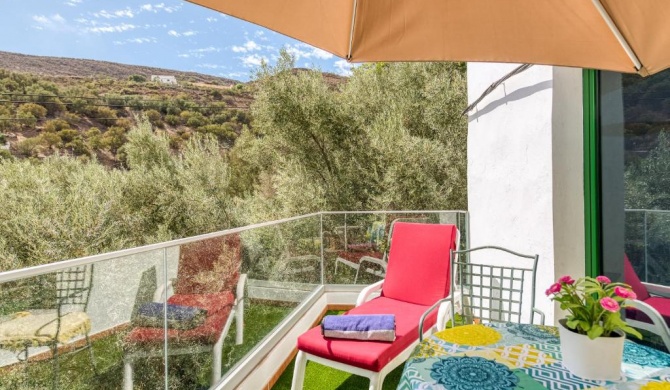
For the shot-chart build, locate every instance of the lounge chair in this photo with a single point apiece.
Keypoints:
(651, 310)
(418, 275)
(208, 278)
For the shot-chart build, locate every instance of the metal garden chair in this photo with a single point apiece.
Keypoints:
(54, 315)
(490, 282)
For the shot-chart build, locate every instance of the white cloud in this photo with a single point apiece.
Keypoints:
(247, 47)
(343, 68)
(73, 3)
(211, 20)
(253, 60)
(199, 53)
(112, 29)
(211, 66)
(155, 8)
(303, 50)
(189, 33)
(138, 41)
(122, 13)
(54, 23)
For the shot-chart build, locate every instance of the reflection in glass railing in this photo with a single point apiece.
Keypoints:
(181, 314)
(648, 244)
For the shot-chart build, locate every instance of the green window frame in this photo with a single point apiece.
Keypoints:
(592, 171)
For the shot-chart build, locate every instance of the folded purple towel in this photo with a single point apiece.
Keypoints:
(378, 327)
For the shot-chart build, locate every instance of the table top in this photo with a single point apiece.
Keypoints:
(518, 356)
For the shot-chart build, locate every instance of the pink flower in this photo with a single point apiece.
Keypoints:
(624, 293)
(553, 289)
(566, 280)
(603, 279)
(609, 304)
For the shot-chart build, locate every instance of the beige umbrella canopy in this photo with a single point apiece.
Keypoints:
(620, 35)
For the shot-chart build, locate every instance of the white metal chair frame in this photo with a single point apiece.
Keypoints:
(658, 325)
(376, 378)
(463, 293)
(237, 312)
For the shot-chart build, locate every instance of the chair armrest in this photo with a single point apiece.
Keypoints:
(659, 326)
(538, 312)
(164, 291)
(444, 304)
(657, 289)
(241, 283)
(373, 260)
(446, 300)
(364, 295)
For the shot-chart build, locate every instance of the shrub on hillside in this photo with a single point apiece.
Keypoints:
(138, 78)
(224, 133)
(30, 147)
(71, 118)
(113, 138)
(105, 115)
(154, 117)
(172, 120)
(35, 110)
(51, 139)
(56, 125)
(68, 135)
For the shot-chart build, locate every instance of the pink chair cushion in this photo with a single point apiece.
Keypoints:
(418, 264)
(370, 355)
(630, 277)
(218, 308)
(659, 303)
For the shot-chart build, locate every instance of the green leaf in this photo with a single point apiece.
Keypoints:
(595, 332)
(632, 331)
(572, 324)
(585, 325)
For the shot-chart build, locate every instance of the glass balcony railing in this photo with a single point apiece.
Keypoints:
(647, 244)
(187, 313)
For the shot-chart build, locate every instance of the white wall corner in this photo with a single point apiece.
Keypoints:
(525, 184)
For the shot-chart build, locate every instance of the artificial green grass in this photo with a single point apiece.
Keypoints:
(320, 377)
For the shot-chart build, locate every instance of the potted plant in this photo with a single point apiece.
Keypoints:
(593, 332)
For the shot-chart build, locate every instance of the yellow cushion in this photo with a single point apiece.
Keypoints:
(39, 328)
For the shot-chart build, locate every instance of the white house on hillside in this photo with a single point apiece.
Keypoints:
(164, 79)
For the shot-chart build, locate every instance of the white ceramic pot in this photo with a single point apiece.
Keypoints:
(598, 359)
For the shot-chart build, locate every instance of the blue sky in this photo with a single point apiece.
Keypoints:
(167, 34)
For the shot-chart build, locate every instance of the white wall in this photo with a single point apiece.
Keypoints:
(525, 175)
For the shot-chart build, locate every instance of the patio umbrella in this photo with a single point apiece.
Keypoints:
(619, 35)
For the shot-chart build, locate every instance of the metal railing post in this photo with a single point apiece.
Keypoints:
(646, 262)
(323, 269)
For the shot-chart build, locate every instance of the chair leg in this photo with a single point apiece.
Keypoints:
(217, 360)
(54, 352)
(91, 355)
(128, 374)
(376, 381)
(239, 323)
(299, 371)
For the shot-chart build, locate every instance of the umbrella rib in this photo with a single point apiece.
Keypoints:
(351, 32)
(617, 34)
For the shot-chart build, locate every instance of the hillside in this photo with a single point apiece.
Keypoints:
(72, 67)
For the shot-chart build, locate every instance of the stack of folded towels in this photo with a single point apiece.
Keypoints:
(377, 327)
(178, 317)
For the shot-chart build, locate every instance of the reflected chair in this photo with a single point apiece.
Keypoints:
(208, 277)
(56, 314)
(358, 252)
(490, 283)
(418, 275)
(651, 310)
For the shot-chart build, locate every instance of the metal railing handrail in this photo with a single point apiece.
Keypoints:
(12, 275)
(41, 269)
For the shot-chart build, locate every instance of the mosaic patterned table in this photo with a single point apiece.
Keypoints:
(518, 356)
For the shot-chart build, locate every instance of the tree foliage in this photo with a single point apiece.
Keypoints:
(392, 137)
(80, 208)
